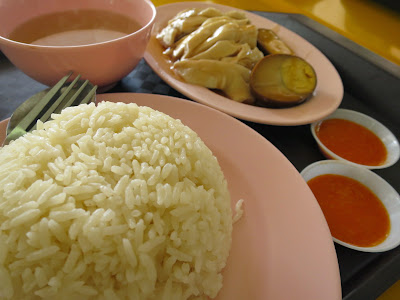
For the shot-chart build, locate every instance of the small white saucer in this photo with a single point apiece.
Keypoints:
(382, 189)
(386, 136)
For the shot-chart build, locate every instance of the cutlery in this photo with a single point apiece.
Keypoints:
(52, 100)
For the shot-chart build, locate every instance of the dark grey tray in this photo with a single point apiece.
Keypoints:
(372, 86)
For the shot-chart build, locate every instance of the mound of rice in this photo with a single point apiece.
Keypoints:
(112, 202)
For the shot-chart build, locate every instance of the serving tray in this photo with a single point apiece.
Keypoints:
(372, 86)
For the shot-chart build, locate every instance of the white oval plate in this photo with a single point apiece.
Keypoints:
(328, 94)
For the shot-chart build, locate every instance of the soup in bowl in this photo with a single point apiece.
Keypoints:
(103, 40)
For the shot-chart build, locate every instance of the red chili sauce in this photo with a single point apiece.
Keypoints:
(354, 214)
(352, 142)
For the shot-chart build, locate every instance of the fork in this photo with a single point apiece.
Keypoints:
(60, 96)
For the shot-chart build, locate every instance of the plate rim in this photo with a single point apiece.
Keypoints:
(239, 110)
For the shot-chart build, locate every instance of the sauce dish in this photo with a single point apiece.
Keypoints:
(377, 185)
(351, 141)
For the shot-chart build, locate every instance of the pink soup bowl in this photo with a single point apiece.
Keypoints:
(104, 64)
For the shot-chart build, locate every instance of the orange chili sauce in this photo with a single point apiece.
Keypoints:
(352, 141)
(354, 214)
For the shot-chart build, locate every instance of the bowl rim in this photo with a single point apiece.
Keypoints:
(143, 28)
(371, 177)
(338, 113)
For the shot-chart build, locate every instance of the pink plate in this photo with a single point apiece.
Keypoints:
(328, 94)
(282, 247)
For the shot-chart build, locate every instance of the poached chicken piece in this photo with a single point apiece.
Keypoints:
(213, 49)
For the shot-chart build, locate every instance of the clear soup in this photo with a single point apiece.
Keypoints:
(74, 27)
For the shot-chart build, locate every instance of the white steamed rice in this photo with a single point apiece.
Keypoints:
(112, 202)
